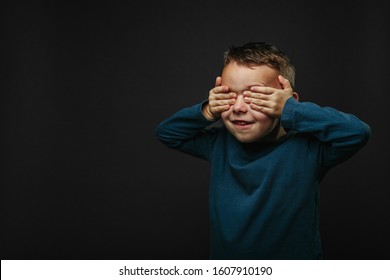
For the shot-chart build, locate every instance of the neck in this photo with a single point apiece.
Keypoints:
(275, 134)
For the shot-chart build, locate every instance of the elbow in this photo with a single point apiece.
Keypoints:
(363, 134)
(158, 132)
(165, 137)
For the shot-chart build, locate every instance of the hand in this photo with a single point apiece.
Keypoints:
(220, 100)
(270, 101)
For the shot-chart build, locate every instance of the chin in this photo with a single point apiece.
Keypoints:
(246, 141)
(246, 138)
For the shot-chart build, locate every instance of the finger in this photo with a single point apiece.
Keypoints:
(216, 103)
(261, 109)
(259, 102)
(251, 94)
(218, 81)
(284, 82)
(220, 109)
(260, 89)
(220, 89)
(223, 96)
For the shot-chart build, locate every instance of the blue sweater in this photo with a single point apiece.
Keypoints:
(264, 197)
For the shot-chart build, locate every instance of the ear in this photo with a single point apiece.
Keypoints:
(295, 95)
(286, 85)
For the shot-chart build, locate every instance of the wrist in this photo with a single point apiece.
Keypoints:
(207, 113)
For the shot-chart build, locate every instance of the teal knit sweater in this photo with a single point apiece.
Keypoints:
(263, 197)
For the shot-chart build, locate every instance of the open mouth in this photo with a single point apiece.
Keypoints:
(241, 123)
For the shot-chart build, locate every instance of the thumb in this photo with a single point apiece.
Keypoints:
(218, 81)
(284, 82)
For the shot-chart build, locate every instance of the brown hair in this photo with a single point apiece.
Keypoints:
(261, 53)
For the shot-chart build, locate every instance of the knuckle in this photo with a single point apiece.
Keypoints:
(257, 102)
(223, 102)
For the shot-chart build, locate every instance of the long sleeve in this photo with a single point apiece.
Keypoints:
(342, 134)
(185, 131)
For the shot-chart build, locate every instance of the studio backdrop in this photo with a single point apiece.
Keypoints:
(83, 89)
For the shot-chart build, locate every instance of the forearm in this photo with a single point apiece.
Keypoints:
(344, 134)
(182, 126)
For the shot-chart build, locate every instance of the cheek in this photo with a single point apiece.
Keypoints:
(262, 118)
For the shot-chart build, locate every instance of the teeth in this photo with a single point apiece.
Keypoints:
(241, 122)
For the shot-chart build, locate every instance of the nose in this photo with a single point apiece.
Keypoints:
(240, 106)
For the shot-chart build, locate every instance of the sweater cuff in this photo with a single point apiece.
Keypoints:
(287, 118)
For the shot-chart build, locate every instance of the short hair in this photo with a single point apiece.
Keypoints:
(262, 53)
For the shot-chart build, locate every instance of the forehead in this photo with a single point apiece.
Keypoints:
(241, 77)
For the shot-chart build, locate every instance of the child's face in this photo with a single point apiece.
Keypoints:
(246, 124)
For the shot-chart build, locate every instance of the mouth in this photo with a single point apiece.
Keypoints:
(242, 124)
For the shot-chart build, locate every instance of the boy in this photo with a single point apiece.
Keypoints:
(268, 157)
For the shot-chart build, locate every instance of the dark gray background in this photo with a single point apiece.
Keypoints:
(83, 89)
